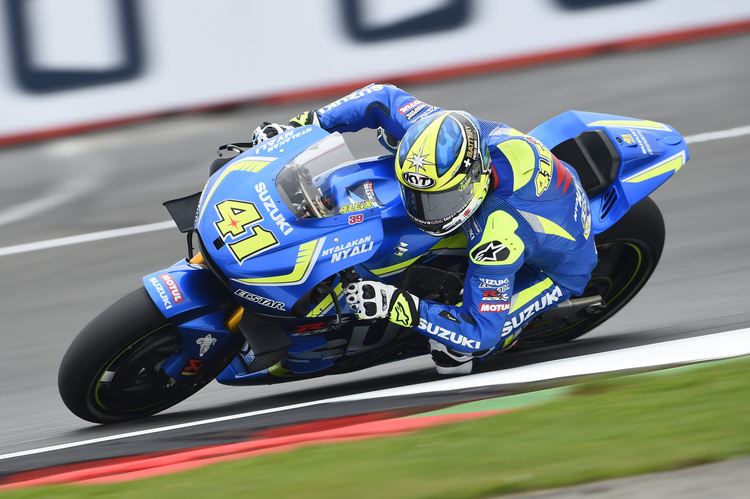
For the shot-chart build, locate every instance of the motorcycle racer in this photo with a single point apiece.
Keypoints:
(525, 215)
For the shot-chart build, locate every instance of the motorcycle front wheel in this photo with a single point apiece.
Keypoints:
(628, 254)
(111, 372)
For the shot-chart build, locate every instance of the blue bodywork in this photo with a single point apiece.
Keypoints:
(649, 153)
(269, 257)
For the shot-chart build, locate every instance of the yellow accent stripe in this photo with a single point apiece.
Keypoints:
(456, 241)
(544, 226)
(529, 294)
(280, 371)
(522, 159)
(252, 166)
(553, 229)
(393, 268)
(652, 125)
(508, 341)
(326, 302)
(672, 164)
(307, 252)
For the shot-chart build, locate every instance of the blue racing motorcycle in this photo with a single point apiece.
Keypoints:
(282, 227)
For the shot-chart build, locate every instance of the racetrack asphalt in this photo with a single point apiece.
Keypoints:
(520, 386)
(118, 178)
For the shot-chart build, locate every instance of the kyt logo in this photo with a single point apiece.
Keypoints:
(418, 180)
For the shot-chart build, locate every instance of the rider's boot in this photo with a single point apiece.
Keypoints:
(448, 361)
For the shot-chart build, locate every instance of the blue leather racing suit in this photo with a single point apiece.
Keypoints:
(530, 244)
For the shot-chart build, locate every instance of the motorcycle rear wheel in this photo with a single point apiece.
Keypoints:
(628, 254)
(111, 372)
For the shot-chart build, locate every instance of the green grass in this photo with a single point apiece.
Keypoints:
(607, 428)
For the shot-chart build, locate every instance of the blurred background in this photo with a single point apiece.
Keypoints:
(110, 107)
(76, 64)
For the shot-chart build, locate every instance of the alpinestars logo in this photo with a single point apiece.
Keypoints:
(400, 312)
(401, 315)
(493, 251)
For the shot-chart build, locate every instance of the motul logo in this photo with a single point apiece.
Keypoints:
(172, 287)
(494, 307)
(408, 106)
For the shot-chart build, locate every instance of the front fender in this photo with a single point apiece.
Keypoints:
(186, 291)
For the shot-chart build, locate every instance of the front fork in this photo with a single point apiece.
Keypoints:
(234, 316)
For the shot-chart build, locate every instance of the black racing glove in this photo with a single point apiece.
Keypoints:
(306, 118)
(375, 300)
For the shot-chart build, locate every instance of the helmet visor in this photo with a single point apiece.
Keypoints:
(433, 210)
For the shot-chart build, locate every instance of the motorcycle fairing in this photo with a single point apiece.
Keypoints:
(185, 291)
(204, 340)
(627, 158)
(196, 303)
(285, 272)
(319, 348)
(248, 230)
(314, 250)
(368, 224)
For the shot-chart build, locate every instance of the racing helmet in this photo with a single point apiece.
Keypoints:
(443, 168)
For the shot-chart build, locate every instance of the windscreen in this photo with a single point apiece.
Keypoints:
(313, 185)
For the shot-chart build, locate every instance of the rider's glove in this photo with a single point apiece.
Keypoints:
(306, 118)
(266, 130)
(387, 140)
(375, 300)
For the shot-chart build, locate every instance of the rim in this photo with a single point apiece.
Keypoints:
(133, 381)
(614, 279)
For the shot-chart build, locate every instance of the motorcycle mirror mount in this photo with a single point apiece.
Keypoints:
(183, 211)
(234, 148)
(226, 153)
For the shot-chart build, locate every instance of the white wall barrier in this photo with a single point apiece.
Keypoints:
(73, 63)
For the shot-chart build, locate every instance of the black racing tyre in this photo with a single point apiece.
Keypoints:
(628, 254)
(111, 372)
